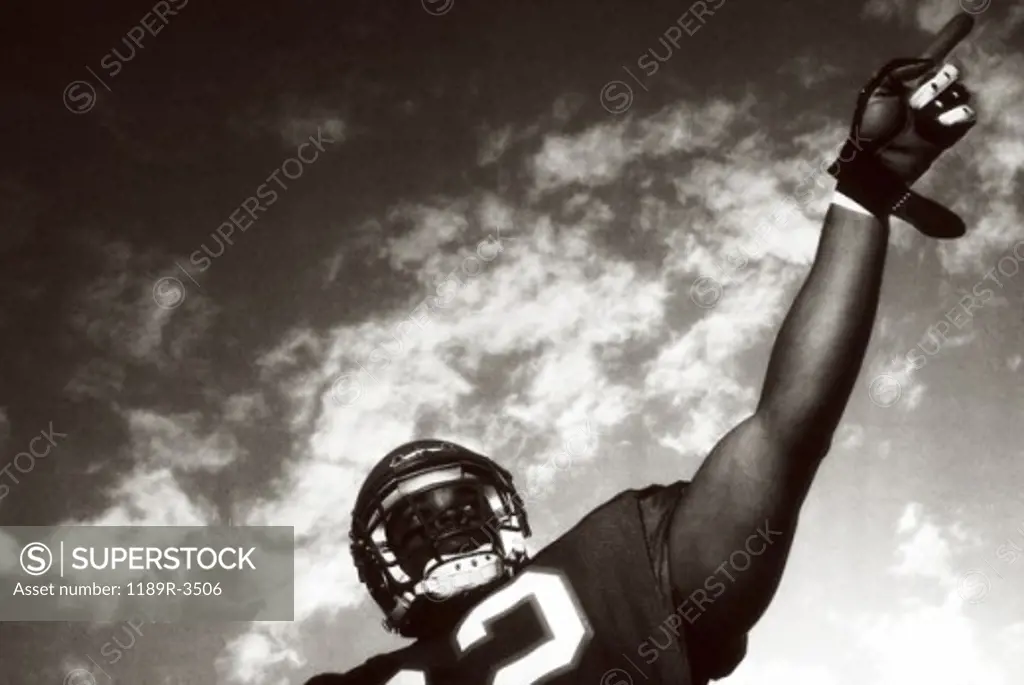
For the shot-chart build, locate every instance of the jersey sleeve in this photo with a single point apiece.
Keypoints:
(657, 505)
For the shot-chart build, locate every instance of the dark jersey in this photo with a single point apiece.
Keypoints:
(593, 607)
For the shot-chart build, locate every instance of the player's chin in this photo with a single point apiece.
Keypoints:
(419, 551)
(462, 543)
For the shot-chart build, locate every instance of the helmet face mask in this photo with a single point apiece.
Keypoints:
(434, 521)
(440, 521)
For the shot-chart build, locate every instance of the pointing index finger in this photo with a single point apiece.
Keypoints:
(955, 30)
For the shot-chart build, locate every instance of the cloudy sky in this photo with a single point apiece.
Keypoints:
(534, 228)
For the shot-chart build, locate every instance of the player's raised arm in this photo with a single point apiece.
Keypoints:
(748, 492)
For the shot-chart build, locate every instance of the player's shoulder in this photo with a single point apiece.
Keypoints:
(632, 496)
(652, 501)
(656, 502)
(627, 517)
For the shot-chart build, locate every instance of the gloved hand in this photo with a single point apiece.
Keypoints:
(910, 112)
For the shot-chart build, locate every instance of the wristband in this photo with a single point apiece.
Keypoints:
(841, 200)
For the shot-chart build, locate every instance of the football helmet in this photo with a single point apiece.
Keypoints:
(434, 520)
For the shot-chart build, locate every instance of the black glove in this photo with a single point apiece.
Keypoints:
(909, 113)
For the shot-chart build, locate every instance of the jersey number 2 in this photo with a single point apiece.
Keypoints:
(551, 598)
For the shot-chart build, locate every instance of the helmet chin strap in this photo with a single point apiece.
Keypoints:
(457, 573)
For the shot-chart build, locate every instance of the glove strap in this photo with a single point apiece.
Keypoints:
(867, 182)
(931, 218)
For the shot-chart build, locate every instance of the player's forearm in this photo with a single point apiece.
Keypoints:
(820, 348)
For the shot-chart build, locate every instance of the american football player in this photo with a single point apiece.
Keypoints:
(662, 584)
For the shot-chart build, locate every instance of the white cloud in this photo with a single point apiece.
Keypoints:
(919, 640)
(297, 130)
(434, 228)
(885, 9)
(912, 397)
(938, 645)
(910, 518)
(246, 406)
(929, 15)
(495, 143)
(850, 436)
(258, 657)
(146, 497)
(925, 554)
(1011, 641)
(784, 672)
(809, 70)
(175, 441)
(9, 552)
(599, 155)
(117, 315)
